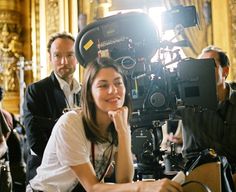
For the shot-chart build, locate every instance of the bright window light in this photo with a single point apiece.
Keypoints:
(155, 14)
(122, 11)
(169, 35)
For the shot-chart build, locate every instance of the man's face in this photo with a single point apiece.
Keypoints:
(62, 57)
(220, 73)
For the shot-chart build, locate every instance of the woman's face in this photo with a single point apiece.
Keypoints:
(108, 90)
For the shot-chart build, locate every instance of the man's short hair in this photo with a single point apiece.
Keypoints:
(224, 60)
(62, 35)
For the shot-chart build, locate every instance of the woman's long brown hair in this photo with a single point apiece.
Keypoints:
(88, 105)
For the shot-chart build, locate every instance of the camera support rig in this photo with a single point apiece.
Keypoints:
(147, 142)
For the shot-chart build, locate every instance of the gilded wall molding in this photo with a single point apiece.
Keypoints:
(52, 17)
(35, 23)
(9, 16)
(11, 48)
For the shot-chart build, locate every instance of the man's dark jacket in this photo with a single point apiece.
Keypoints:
(43, 105)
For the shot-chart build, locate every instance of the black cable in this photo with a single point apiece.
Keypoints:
(206, 188)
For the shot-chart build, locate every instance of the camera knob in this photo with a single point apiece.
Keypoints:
(157, 99)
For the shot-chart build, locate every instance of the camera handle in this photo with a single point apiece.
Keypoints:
(176, 59)
(157, 132)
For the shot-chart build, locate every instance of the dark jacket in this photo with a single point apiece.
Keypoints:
(43, 105)
(211, 129)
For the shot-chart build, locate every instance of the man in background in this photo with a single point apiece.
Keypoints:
(46, 99)
(204, 129)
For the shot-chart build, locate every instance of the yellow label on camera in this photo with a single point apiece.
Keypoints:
(88, 45)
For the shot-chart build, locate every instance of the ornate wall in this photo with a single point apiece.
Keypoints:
(10, 45)
(11, 48)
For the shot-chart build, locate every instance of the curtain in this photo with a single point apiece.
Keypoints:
(201, 35)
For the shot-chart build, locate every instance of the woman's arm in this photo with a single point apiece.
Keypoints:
(124, 169)
(86, 176)
(163, 185)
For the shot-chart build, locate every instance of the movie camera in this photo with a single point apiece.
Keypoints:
(156, 91)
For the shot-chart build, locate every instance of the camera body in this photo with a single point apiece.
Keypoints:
(125, 37)
(156, 91)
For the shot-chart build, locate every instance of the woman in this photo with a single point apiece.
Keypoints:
(84, 142)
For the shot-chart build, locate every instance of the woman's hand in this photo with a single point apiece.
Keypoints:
(175, 139)
(163, 185)
(120, 118)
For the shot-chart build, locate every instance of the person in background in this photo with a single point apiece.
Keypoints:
(84, 142)
(3, 145)
(213, 129)
(6, 124)
(172, 132)
(46, 99)
(11, 152)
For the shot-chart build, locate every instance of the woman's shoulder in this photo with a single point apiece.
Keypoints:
(71, 118)
(70, 123)
(74, 114)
